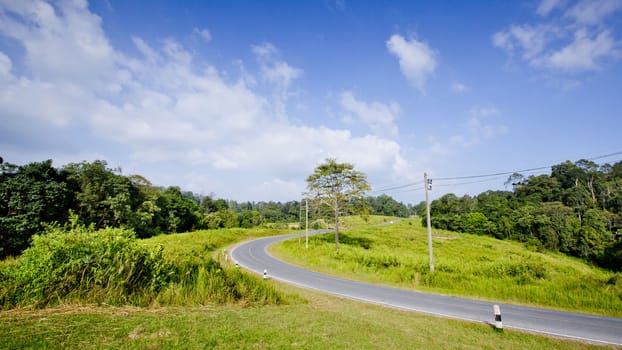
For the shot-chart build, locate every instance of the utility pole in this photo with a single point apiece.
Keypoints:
(428, 186)
(307, 223)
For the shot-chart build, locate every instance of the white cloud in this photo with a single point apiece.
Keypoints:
(593, 11)
(45, 33)
(277, 72)
(546, 6)
(379, 117)
(530, 40)
(417, 60)
(576, 40)
(478, 127)
(478, 130)
(5, 67)
(584, 52)
(203, 34)
(168, 113)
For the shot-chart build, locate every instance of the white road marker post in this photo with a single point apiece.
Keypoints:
(265, 274)
(498, 322)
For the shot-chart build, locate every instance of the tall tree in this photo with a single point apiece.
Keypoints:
(338, 186)
(30, 195)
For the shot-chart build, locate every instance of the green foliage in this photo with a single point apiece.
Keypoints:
(387, 206)
(339, 187)
(110, 266)
(103, 266)
(30, 196)
(576, 210)
(466, 265)
(35, 195)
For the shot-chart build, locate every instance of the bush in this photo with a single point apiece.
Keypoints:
(110, 266)
(199, 283)
(104, 266)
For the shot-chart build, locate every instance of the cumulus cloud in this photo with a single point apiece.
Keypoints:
(593, 11)
(379, 117)
(546, 6)
(576, 40)
(417, 60)
(278, 73)
(165, 106)
(584, 52)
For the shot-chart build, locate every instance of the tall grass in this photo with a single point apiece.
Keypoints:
(465, 265)
(111, 266)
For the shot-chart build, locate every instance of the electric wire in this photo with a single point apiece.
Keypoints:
(518, 171)
(484, 177)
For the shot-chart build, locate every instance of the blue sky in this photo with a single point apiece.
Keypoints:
(242, 99)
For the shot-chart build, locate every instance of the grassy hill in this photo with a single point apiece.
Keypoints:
(304, 319)
(465, 265)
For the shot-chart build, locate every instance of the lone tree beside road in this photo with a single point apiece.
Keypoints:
(338, 186)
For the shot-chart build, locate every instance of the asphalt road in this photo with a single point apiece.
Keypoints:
(253, 256)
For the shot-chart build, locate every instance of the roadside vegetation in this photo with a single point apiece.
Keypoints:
(93, 258)
(110, 266)
(465, 265)
(35, 195)
(192, 310)
(317, 321)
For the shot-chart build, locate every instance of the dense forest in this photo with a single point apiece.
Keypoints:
(576, 210)
(37, 195)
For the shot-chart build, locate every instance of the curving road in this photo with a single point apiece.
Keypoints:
(253, 256)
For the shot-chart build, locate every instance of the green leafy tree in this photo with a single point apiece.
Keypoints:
(338, 186)
(30, 195)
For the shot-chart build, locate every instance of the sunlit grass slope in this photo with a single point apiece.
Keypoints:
(204, 243)
(323, 322)
(465, 265)
(308, 320)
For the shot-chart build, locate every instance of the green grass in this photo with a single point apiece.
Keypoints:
(307, 320)
(112, 267)
(203, 243)
(323, 322)
(465, 265)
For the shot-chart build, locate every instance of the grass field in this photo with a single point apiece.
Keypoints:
(465, 265)
(303, 320)
(318, 322)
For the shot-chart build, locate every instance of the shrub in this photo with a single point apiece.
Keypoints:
(111, 266)
(104, 266)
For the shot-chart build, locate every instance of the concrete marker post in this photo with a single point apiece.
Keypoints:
(498, 322)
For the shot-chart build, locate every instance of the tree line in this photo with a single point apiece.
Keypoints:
(36, 195)
(576, 210)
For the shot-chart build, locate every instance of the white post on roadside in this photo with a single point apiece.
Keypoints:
(428, 186)
(307, 223)
(498, 322)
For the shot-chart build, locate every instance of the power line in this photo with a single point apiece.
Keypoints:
(398, 187)
(516, 171)
(490, 175)
(411, 190)
(606, 155)
(486, 177)
(468, 182)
